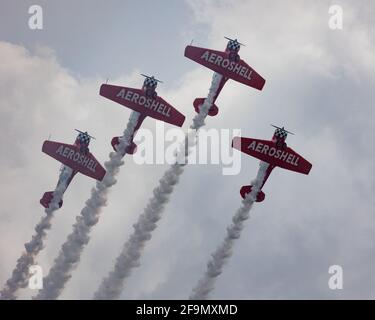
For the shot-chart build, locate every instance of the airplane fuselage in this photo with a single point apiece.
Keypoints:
(66, 173)
(276, 151)
(63, 183)
(223, 79)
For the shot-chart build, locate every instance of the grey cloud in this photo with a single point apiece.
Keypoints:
(319, 84)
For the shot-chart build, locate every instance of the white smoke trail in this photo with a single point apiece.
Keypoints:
(112, 285)
(20, 273)
(222, 254)
(71, 250)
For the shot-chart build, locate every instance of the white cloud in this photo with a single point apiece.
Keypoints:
(319, 84)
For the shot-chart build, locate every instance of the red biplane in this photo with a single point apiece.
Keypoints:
(227, 63)
(275, 152)
(75, 158)
(146, 102)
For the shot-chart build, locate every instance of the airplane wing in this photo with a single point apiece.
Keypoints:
(267, 151)
(136, 100)
(218, 61)
(71, 156)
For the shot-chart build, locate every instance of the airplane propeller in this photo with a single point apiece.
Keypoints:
(281, 129)
(148, 77)
(85, 133)
(236, 41)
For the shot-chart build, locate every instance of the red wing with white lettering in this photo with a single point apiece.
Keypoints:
(136, 100)
(267, 151)
(71, 156)
(219, 62)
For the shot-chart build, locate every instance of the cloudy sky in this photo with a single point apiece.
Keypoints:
(320, 85)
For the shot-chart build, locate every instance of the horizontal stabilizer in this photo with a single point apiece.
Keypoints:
(247, 189)
(129, 149)
(47, 198)
(213, 111)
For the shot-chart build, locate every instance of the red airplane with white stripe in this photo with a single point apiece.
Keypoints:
(227, 63)
(75, 158)
(146, 102)
(275, 152)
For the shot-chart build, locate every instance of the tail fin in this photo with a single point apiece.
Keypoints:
(247, 189)
(47, 198)
(129, 149)
(214, 110)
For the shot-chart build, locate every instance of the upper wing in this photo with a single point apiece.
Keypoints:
(218, 61)
(71, 156)
(267, 151)
(135, 99)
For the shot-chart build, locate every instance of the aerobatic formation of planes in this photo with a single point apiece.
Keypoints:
(146, 102)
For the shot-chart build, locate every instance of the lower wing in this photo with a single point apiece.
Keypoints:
(71, 156)
(267, 151)
(136, 100)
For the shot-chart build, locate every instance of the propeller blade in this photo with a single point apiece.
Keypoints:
(235, 40)
(149, 77)
(85, 133)
(282, 129)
